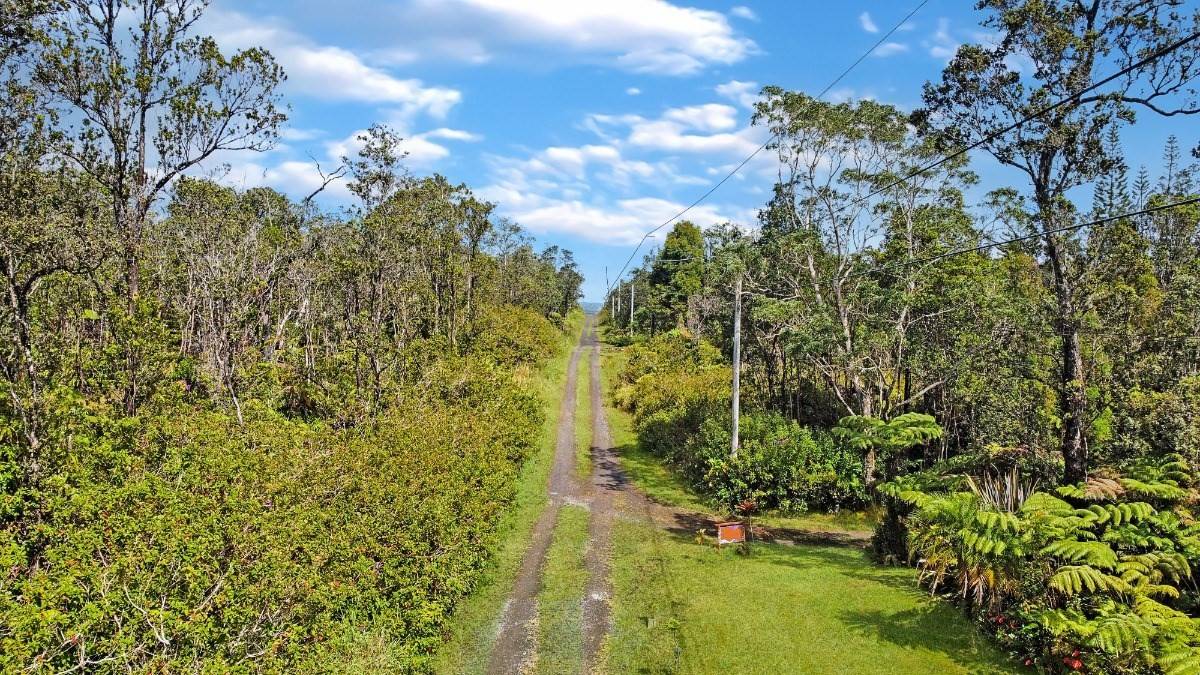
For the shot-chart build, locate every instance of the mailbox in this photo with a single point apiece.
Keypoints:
(731, 533)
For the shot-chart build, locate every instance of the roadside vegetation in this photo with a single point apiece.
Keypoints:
(681, 606)
(1008, 387)
(242, 434)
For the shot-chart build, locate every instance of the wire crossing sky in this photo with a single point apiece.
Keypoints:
(588, 123)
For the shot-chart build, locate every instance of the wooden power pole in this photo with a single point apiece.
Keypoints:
(612, 311)
(632, 285)
(737, 360)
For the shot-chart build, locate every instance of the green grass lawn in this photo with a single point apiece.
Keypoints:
(473, 628)
(685, 607)
(560, 601)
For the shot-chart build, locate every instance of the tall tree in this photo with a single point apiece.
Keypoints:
(144, 100)
(677, 274)
(22, 27)
(1049, 50)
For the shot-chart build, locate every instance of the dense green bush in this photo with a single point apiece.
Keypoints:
(780, 465)
(515, 335)
(678, 390)
(1096, 576)
(179, 537)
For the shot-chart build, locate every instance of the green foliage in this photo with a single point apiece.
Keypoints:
(238, 434)
(184, 537)
(679, 393)
(1093, 574)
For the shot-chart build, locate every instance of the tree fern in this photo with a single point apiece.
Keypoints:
(1183, 661)
(1072, 580)
(1094, 553)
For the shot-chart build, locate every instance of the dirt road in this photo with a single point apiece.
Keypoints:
(608, 495)
(515, 650)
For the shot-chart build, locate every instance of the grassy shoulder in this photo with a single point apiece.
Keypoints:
(688, 608)
(472, 630)
(560, 601)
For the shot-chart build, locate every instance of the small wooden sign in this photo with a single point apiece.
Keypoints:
(731, 533)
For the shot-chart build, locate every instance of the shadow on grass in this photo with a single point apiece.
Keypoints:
(653, 477)
(934, 627)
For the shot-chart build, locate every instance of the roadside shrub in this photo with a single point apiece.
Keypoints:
(181, 540)
(513, 335)
(1096, 576)
(780, 465)
(678, 389)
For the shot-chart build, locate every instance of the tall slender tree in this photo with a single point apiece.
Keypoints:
(1046, 51)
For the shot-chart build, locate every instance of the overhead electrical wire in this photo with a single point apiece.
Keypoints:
(1058, 230)
(915, 262)
(939, 162)
(762, 147)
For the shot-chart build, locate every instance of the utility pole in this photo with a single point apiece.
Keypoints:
(631, 286)
(612, 312)
(737, 359)
(618, 294)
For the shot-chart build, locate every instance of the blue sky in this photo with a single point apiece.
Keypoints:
(587, 122)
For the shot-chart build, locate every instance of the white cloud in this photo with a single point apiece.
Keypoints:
(559, 168)
(633, 91)
(293, 134)
(421, 149)
(942, 45)
(701, 129)
(745, 93)
(890, 49)
(867, 24)
(706, 117)
(743, 12)
(301, 177)
(330, 72)
(652, 36)
(453, 135)
(294, 177)
(622, 222)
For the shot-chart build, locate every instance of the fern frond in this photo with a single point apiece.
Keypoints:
(1156, 489)
(1120, 633)
(1184, 661)
(1071, 580)
(1043, 502)
(996, 520)
(1094, 553)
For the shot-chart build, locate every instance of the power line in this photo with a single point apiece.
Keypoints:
(1029, 117)
(762, 147)
(1027, 237)
(886, 269)
(958, 153)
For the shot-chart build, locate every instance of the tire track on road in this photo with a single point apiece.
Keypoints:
(607, 480)
(515, 649)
